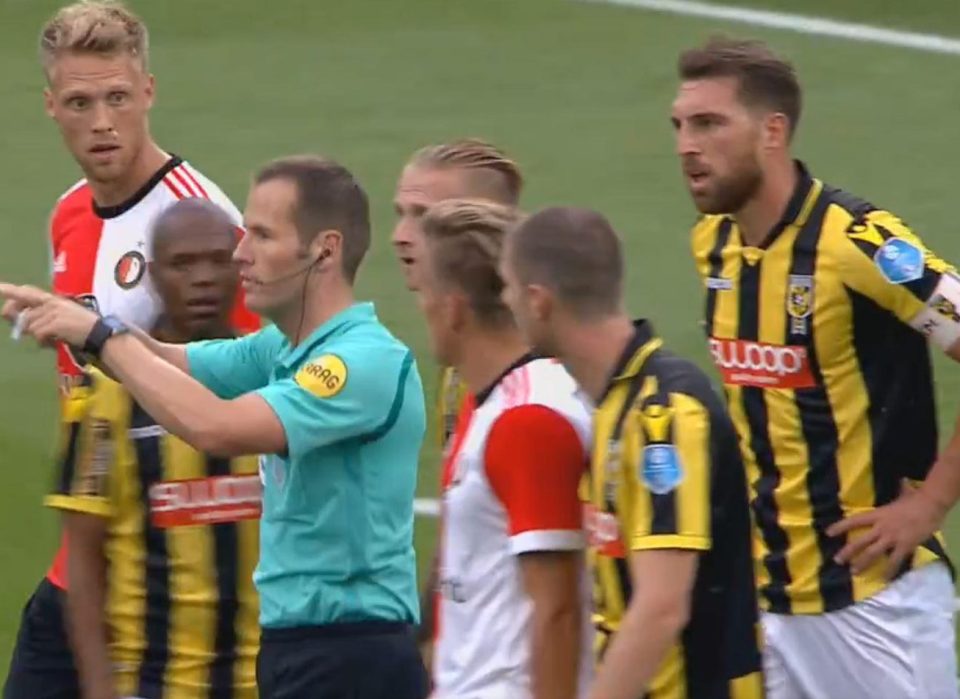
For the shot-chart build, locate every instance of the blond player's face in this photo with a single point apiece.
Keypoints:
(718, 142)
(270, 253)
(100, 104)
(420, 188)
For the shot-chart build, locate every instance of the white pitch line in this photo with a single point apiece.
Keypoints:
(803, 24)
(428, 507)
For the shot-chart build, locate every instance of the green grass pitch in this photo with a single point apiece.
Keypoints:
(579, 93)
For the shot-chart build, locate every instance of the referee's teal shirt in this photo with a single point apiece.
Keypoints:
(336, 535)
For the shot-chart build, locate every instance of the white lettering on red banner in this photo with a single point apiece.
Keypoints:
(763, 365)
(205, 500)
(603, 531)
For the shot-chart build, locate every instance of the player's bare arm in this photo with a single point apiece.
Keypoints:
(551, 579)
(86, 571)
(246, 425)
(168, 352)
(659, 610)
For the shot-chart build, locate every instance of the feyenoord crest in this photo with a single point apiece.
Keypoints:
(799, 302)
(129, 270)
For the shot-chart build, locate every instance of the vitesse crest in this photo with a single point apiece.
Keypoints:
(799, 302)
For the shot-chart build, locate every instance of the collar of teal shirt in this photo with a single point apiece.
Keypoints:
(361, 311)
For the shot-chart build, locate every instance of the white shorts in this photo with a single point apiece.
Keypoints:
(898, 644)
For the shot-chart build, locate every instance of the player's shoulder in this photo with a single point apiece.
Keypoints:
(863, 233)
(74, 203)
(109, 400)
(544, 382)
(858, 220)
(365, 360)
(708, 223)
(676, 375)
(705, 233)
(200, 185)
(363, 337)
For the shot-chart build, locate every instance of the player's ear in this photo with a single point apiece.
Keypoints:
(776, 130)
(48, 102)
(326, 245)
(150, 90)
(541, 301)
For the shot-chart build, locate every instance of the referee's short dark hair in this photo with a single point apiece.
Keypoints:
(576, 254)
(765, 78)
(329, 197)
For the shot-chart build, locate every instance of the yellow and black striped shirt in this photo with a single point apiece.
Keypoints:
(667, 474)
(449, 398)
(182, 544)
(829, 387)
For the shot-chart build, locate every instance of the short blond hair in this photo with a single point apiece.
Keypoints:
(480, 156)
(465, 238)
(102, 27)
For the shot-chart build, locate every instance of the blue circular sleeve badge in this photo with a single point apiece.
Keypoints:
(661, 470)
(899, 260)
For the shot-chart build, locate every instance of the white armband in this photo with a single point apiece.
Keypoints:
(939, 320)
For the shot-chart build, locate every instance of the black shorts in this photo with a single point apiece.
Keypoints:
(362, 660)
(41, 666)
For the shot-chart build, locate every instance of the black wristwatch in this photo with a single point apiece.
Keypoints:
(103, 330)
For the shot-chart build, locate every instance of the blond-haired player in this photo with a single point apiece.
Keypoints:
(99, 91)
(513, 609)
(466, 168)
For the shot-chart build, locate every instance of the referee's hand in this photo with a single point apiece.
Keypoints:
(894, 530)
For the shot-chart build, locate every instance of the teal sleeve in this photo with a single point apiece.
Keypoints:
(375, 389)
(231, 368)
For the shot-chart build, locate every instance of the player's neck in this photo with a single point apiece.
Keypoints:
(150, 159)
(298, 322)
(490, 354)
(765, 209)
(591, 352)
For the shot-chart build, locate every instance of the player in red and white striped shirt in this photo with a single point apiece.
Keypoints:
(513, 619)
(99, 92)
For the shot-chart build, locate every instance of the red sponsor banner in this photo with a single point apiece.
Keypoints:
(762, 365)
(603, 532)
(201, 501)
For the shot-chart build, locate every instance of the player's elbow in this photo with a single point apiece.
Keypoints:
(668, 612)
(212, 436)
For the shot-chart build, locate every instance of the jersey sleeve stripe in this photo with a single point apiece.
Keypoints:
(89, 506)
(194, 181)
(183, 182)
(173, 188)
(669, 541)
(547, 540)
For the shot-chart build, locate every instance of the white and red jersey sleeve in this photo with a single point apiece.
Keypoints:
(534, 460)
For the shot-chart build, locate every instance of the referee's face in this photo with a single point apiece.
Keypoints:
(719, 143)
(273, 264)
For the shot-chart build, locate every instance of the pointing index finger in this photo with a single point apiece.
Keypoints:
(25, 295)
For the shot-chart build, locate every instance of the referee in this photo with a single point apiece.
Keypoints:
(335, 404)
